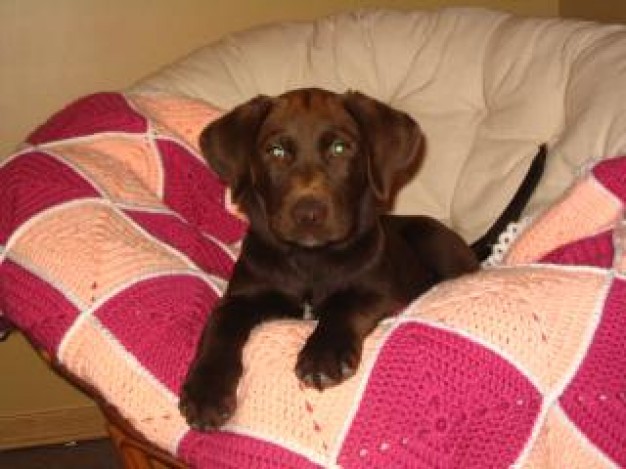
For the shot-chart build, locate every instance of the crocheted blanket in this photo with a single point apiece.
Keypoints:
(117, 240)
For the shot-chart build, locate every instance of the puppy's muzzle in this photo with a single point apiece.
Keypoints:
(309, 212)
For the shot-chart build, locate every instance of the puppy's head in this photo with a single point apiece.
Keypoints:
(312, 167)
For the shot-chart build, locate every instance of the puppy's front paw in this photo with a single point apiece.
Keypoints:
(209, 397)
(328, 359)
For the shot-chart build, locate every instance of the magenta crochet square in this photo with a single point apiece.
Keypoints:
(35, 306)
(96, 113)
(159, 321)
(24, 192)
(463, 406)
(193, 191)
(596, 398)
(612, 174)
(596, 251)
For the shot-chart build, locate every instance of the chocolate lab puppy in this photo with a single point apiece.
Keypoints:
(314, 172)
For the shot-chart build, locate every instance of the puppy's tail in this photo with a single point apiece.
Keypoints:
(482, 247)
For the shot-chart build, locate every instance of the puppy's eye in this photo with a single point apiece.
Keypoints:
(338, 147)
(277, 151)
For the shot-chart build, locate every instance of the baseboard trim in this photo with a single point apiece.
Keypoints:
(51, 427)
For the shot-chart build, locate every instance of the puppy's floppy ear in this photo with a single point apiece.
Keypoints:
(228, 142)
(392, 137)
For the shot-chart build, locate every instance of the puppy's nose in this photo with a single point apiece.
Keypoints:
(309, 211)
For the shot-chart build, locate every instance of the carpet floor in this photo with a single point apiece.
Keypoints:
(97, 454)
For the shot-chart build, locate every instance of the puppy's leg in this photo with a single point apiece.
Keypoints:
(332, 353)
(209, 394)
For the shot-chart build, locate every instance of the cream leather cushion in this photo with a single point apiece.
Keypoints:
(486, 87)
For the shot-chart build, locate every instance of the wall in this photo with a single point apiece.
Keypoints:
(54, 51)
(36, 406)
(609, 11)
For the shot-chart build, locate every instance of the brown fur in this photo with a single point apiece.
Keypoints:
(315, 171)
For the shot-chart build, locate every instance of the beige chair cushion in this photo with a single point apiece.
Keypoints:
(486, 87)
